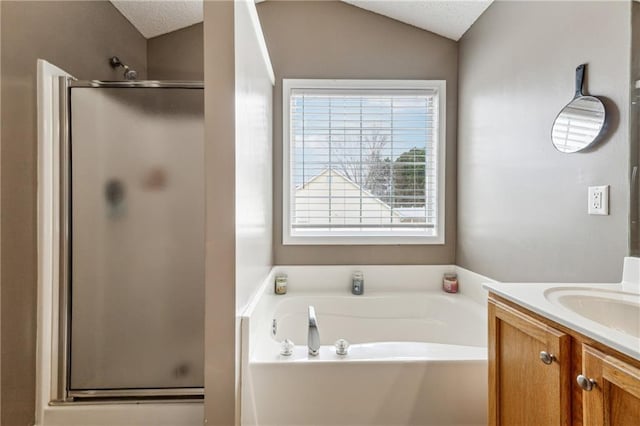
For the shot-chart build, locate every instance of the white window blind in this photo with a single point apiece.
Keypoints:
(363, 161)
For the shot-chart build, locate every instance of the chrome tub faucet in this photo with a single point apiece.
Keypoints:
(313, 337)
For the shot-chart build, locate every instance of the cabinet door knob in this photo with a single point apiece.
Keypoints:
(585, 383)
(546, 357)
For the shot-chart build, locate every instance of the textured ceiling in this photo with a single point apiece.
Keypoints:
(449, 18)
(155, 17)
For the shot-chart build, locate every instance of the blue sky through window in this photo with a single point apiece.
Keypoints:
(330, 130)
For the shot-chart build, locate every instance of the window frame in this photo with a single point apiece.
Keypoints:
(367, 237)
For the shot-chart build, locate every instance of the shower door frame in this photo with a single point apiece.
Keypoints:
(65, 84)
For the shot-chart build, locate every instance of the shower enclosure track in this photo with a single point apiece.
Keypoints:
(143, 84)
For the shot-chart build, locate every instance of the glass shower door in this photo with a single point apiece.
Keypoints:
(137, 239)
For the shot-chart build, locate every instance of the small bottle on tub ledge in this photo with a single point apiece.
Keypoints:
(450, 283)
(280, 284)
(357, 283)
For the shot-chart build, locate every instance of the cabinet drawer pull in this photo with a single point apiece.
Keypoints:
(546, 357)
(585, 383)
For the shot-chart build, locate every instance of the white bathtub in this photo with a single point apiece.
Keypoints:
(418, 356)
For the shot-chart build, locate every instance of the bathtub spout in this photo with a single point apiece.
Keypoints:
(313, 337)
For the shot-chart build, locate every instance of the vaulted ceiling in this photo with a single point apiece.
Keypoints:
(448, 18)
(156, 17)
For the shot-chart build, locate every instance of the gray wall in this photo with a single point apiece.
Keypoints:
(78, 37)
(178, 55)
(521, 204)
(220, 236)
(314, 39)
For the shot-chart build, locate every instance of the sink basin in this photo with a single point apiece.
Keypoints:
(616, 310)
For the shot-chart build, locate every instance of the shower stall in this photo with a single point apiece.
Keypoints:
(131, 244)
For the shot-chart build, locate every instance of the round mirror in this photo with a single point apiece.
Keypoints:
(581, 122)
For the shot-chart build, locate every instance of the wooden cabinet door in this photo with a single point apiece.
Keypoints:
(614, 396)
(523, 389)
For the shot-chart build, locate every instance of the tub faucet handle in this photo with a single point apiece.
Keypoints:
(286, 347)
(342, 347)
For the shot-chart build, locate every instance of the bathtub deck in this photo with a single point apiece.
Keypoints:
(378, 352)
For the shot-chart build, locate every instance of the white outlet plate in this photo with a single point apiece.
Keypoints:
(599, 200)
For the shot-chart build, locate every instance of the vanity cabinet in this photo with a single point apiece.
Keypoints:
(543, 373)
(529, 370)
(611, 389)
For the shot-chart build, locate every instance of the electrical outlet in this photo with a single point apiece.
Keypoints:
(599, 200)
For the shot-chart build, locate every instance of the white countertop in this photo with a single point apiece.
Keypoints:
(532, 296)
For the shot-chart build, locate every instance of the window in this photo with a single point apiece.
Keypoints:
(363, 162)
